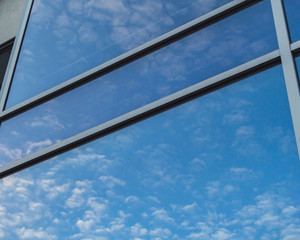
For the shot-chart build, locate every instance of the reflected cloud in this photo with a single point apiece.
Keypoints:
(11, 153)
(25, 233)
(34, 146)
(155, 180)
(157, 75)
(100, 31)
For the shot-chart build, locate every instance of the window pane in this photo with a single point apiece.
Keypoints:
(213, 50)
(66, 38)
(292, 9)
(4, 57)
(298, 63)
(223, 166)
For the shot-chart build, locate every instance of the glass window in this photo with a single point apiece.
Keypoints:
(224, 45)
(66, 38)
(5, 51)
(292, 9)
(297, 60)
(224, 166)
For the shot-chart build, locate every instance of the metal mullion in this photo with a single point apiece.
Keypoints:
(139, 114)
(288, 65)
(14, 56)
(123, 59)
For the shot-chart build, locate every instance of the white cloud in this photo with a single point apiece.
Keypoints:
(245, 131)
(75, 7)
(52, 190)
(25, 233)
(77, 199)
(11, 153)
(199, 235)
(154, 199)
(85, 226)
(290, 210)
(222, 234)
(190, 208)
(162, 215)
(131, 199)
(268, 219)
(213, 188)
(111, 181)
(87, 34)
(47, 121)
(35, 146)
(2, 234)
(137, 230)
(160, 232)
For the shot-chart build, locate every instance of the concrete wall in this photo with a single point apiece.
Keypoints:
(11, 12)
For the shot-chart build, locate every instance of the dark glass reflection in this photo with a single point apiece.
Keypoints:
(66, 38)
(292, 9)
(215, 49)
(297, 60)
(223, 166)
(4, 57)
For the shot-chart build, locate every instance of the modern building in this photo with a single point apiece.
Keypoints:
(150, 119)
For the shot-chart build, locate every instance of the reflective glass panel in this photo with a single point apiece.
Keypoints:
(4, 57)
(213, 50)
(298, 62)
(224, 166)
(66, 38)
(292, 9)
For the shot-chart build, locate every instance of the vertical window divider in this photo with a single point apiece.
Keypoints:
(14, 55)
(288, 65)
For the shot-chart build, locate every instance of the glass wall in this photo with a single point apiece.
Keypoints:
(292, 9)
(208, 150)
(223, 166)
(213, 50)
(66, 38)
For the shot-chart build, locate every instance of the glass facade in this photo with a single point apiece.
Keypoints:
(292, 9)
(64, 39)
(186, 62)
(5, 51)
(214, 166)
(195, 138)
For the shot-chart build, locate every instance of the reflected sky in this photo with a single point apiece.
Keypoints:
(292, 9)
(223, 166)
(224, 45)
(66, 38)
(297, 60)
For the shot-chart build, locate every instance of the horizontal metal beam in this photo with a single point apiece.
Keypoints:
(295, 47)
(127, 57)
(143, 112)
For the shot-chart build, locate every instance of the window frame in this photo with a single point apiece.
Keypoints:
(283, 55)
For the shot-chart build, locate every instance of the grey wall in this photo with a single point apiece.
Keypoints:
(10, 15)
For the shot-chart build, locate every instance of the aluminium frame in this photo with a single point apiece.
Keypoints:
(217, 81)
